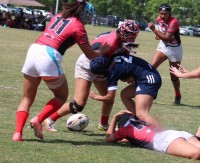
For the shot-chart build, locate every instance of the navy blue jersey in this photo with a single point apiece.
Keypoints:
(147, 78)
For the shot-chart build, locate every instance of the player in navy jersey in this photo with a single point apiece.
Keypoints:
(144, 83)
(118, 40)
(144, 135)
(44, 62)
(169, 46)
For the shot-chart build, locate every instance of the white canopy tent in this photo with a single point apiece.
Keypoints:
(22, 2)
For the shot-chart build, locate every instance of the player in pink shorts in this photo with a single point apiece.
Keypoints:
(143, 135)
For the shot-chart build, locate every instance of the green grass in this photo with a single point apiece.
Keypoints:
(89, 146)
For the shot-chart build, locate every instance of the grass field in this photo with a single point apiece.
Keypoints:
(89, 145)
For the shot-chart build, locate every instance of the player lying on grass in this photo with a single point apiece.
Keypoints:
(184, 73)
(143, 135)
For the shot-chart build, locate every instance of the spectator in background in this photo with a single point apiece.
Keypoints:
(19, 21)
(2, 20)
(170, 44)
(8, 20)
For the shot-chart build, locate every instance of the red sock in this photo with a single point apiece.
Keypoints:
(55, 116)
(177, 94)
(52, 106)
(21, 118)
(104, 120)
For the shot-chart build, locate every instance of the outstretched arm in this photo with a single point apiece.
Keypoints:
(183, 73)
(90, 53)
(110, 96)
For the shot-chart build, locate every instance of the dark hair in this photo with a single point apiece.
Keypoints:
(100, 65)
(165, 7)
(72, 9)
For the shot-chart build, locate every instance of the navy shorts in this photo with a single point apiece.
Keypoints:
(149, 84)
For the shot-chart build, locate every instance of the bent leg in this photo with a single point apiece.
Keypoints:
(176, 83)
(181, 148)
(59, 87)
(81, 92)
(158, 58)
(143, 104)
(106, 106)
(30, 85)
(126, 96)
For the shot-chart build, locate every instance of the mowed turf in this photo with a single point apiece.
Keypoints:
(89, 146)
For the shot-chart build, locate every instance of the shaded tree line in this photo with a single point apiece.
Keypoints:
(187, 11)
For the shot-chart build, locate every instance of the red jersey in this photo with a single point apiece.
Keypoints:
(109, 38)
(171, 26)
(61, 33)
(138, 134)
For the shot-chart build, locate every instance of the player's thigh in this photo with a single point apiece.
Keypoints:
(129, 91)
(81, 90)
(30, 86)
(101, 86)
(180, 147)
(61, 92)
(143, 103)
(158, 58)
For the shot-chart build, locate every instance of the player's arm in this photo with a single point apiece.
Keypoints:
(192, 74)
(90, 53)
(111, 129)
(110, 96)
(165, 37)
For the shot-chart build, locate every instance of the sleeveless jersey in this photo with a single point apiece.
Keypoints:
(61, 33)
(171, 26)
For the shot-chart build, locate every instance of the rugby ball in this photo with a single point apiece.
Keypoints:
(77, 122)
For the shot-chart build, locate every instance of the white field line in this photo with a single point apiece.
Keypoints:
(9, 87)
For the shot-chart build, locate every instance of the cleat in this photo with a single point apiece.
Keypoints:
(50, 125)
(177, 100)
(37, 126)
(103, 127)
(17, 136)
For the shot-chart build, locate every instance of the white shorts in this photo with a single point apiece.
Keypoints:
(42, 60)
(163, 139)
(82, 70)
(174, 54)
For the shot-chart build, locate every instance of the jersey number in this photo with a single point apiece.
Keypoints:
(120, 58)
(60, 24)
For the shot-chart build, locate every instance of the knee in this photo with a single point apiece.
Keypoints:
(195, 155)
(142, 115)
(75, 107)
(123, 94)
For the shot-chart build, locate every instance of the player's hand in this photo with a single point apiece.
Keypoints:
(92, 95)
(182, 69)
(151, 26)
(104, 48)
(175, 71)
(122, 112)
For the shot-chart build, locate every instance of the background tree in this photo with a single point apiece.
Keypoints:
(187, 11)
